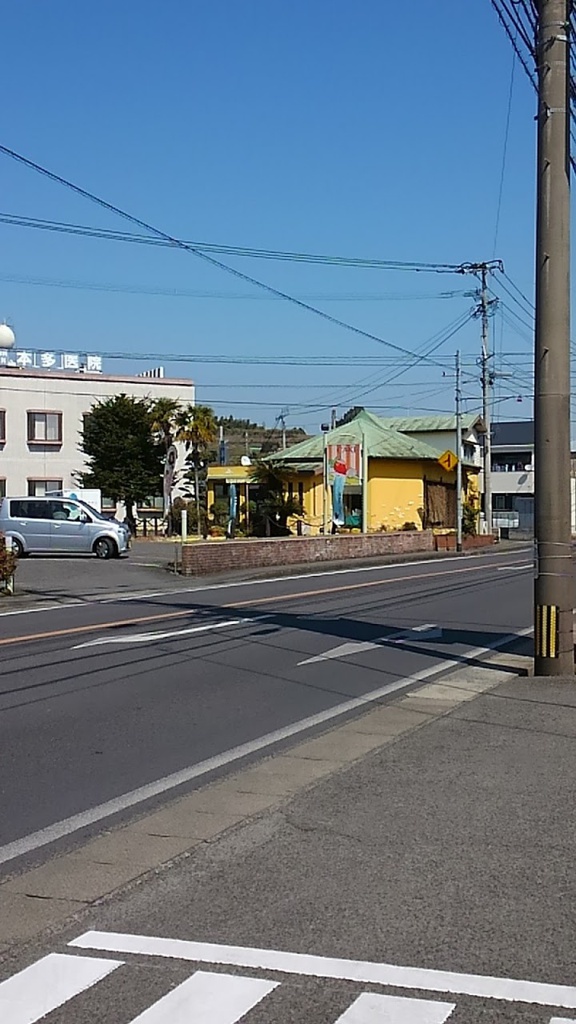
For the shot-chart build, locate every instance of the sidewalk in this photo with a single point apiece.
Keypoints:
(434, 833)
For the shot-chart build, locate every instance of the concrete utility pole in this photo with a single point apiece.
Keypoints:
(458, 454)
(553, 591)
(486, 374)
(486, 409)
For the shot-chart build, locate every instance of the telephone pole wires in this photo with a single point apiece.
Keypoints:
(553, 591)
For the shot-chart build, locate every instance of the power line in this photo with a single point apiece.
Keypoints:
(504, 155)
(202, 294)
(211, 260)
(89, 231)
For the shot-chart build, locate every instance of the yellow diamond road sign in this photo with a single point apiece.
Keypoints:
(448, 461)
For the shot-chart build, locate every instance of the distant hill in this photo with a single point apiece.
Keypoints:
(243, 437)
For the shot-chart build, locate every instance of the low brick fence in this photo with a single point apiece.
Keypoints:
(447, 542)
(206, 557)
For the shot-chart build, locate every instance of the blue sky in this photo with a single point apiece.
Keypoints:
(371, 129)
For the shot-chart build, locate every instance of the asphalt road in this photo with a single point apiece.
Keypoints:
(102, 699)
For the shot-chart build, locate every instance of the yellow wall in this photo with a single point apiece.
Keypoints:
(395, 493)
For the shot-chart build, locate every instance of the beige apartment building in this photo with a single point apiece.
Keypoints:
(43, 399)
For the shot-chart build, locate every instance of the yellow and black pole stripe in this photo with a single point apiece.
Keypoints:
(546, 631)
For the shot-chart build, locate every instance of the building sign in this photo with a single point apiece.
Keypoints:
(31, 359)
(345, 460)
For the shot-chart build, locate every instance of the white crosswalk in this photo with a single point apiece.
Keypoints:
(216, 997)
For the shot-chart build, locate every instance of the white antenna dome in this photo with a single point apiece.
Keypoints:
(7, 337)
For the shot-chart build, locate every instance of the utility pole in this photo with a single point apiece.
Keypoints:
(553, 590)
(486, 405)
(486, 374)
(458, 454)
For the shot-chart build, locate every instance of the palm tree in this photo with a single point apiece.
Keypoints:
(276, 504)
(164, 413)
(196, 426)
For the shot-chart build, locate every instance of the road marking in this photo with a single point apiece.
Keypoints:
(345, 650)
(309, 965)
(515, 568)
(371, 1008)
(148, 638)
(208, 999)
(274, 599)
(48, 984)
(67, 826)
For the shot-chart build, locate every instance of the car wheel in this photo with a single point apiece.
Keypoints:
(17, 548)
(104, 548)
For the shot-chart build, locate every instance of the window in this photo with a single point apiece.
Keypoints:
(66, 511)
(2, 488)
(40, 488)
(30, 509)
(44, 428)
(503, 502)
(2, 425)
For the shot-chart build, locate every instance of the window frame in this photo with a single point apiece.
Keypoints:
(30, 413)
(44, 480)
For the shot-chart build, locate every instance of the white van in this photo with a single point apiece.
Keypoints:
(61, 526)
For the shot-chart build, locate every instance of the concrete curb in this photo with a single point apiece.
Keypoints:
(44, 898)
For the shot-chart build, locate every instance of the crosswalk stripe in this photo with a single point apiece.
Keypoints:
(370, 1008)
(207, 998)
(44, 986)
(308, 965)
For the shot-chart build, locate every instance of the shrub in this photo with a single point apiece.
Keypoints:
(8, 563)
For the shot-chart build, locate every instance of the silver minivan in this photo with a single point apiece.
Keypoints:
(61, 526)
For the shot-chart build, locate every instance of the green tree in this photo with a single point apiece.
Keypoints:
(275, 506)
(125, 455)
(196, 426)
(165, 412)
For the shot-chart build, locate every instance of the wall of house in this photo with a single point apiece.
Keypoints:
(72, 395)
(395, 493)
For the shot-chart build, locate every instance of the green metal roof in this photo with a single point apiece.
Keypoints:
(382, 442)
(430, 424)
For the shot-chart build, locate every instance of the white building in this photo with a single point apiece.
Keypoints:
(43, 399)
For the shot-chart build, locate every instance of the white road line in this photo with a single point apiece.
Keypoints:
(146, 595)
(371, 1008)
(66, 827)
(515, 568)
(208, 999)
(48, 984)
(307, 965)
(148, 638)
(353, 647)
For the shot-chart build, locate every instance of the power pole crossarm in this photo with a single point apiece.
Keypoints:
(553, 595)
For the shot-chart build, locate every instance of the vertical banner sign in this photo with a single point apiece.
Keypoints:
(169, 474)
(344, 468)
(232, 509)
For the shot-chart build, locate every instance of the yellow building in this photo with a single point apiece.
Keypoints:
(407, 486)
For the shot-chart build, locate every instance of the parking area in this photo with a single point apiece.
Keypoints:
(61, 579)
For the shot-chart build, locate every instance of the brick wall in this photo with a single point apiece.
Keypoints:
(447, 542)
(205, 558)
